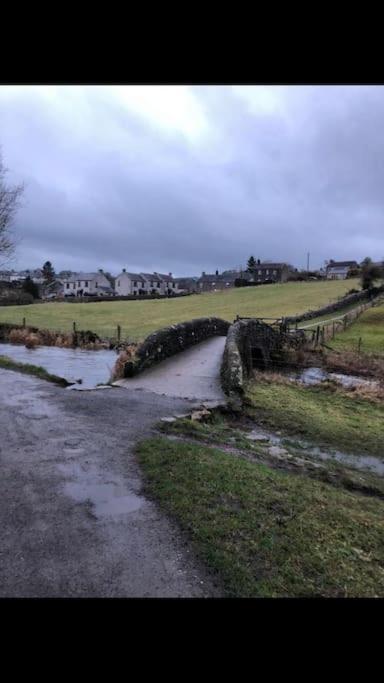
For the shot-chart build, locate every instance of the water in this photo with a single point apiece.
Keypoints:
(317, 375)
(92, 367)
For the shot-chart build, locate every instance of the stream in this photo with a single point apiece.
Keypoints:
(91, 367)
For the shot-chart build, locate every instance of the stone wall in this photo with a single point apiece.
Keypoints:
(171, 340)
(249, 343)
(358, 297)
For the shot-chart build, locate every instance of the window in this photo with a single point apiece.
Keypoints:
(158, 284)
(151, 284)
(79, 283)
(135, 284)
(173, 284)
(86, 283)
(118, 283)
(67, 285)
(96, 285)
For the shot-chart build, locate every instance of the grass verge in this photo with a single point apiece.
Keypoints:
(35, 370)
(323, 414)
(369, 327)
(268, 533)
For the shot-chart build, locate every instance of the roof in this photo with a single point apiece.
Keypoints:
(83, 276)
(132, 276)
(341, 264)
(167, 278)
(264, 265)
(151, 276)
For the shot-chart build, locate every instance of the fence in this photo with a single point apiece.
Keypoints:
(319, 333)
(115, 333)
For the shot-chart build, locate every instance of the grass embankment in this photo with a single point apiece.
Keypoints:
(35, 370)
(140, 318)
(369, 327)
(321, 414)
(268, 533)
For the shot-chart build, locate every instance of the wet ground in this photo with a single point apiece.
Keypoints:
(75, 521)
(316, 375)
(194, 373)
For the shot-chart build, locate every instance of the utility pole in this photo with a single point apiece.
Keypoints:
(307, 262)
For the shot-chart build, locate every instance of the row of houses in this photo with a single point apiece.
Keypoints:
(125, 284)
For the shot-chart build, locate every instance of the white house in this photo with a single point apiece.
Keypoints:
(130, 283)
(87, 284)
(145, 283)
(338, 270)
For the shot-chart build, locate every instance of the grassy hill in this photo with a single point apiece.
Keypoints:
(139, 318)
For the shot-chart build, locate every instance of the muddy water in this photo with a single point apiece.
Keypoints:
(300, 447)
(91, 367)
(317, 375)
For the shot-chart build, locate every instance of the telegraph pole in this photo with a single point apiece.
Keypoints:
(307, 262)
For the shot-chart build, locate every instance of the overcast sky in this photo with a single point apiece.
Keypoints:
(193, 178)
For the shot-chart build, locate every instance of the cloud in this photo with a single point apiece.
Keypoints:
(186, 179)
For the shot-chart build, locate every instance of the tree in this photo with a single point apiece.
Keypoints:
(48, 272)
(10, 196)
(251, 264)
(31, 287)
(369, 273)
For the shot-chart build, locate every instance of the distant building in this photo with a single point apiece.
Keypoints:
(187, 284)
(338, 270)
(87, 284)
(216, 282)
(139, 284)
(270, 272)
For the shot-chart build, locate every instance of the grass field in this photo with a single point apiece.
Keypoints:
(369, 327)
(264, 532)
(319, 414)
(140, 318)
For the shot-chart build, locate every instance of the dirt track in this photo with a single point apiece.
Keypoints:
(74, 521)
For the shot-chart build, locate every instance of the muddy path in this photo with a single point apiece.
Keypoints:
(74, 519)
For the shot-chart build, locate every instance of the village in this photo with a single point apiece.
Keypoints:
(67, 284)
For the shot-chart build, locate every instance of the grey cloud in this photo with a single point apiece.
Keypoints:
(105, 188)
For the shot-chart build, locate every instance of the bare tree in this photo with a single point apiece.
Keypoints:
(10, 196)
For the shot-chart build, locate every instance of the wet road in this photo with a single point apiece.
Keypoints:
(194, 373)
(74, 520)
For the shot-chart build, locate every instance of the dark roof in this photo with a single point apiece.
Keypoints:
(151, 276)
(167, 278)
(259, 266)
(132, 276)
(341, 264)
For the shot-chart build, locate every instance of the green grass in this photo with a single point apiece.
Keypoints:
(325, 417)
(140, 318)
(35, 370)
(370, 327)
(268, 533)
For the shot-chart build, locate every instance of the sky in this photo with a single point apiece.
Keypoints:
(186, 179)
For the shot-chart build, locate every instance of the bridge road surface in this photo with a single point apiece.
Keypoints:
(74, 521)
(194, 373)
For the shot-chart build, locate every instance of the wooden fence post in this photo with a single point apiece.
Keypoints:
(359, 346)
(23, 322)
(317, 335)
(118, 333)
(74, 326)
(333, 330)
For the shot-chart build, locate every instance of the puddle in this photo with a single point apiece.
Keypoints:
(360, 462)
(316, 375)
(92, 367)
(84, 485)
(107, 499)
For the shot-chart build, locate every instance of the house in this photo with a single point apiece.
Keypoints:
(169, 284)
(269, 272)
(187, 284)
(213, 283)
(144, 283)
(129, 283)
(87, 284)
(338, 270)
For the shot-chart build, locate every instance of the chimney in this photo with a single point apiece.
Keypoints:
(100, 270)
(203, 273)
(124, 270)
(258, 261)
(217, 272)
(169, 274)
